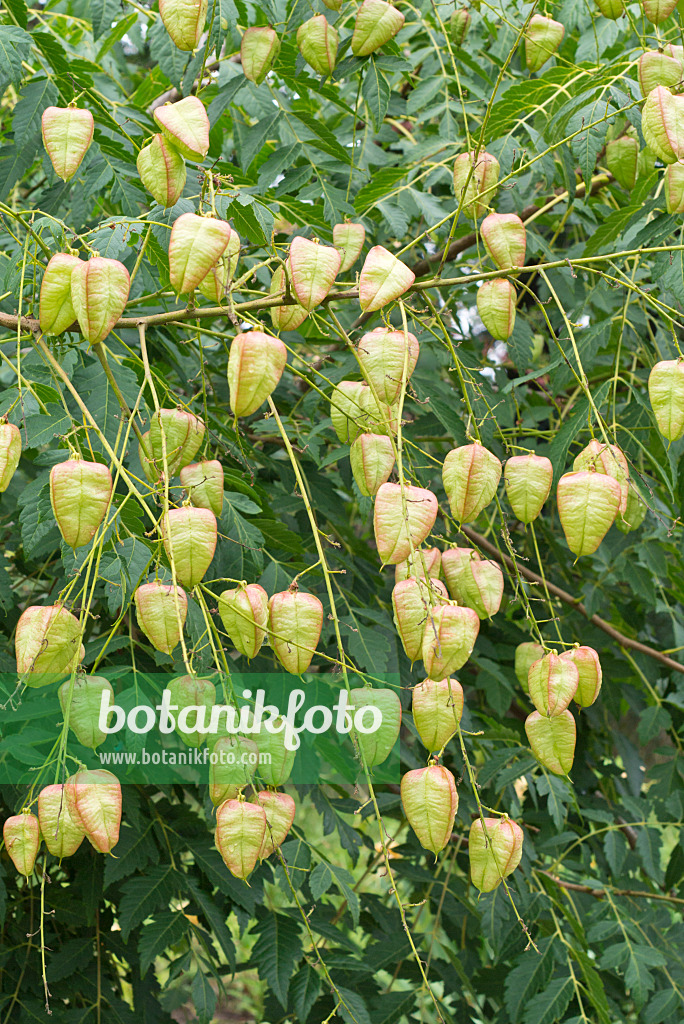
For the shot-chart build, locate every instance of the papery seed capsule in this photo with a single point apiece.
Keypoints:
(448, 640)
(317, 40)
(333, 5)
(430, 802)
(348, 240)
(483, 179)
(505, 239)
(62, 833)
(662, 124)
(372, 462)
(413, 602)
(276, 761)
(186, 126)
(378, 745)
(387, 358)
(178, 432)
(255, 366)
(383, 277)
(437, 710)
(313, 269)
(189, 536)
(285, 318)
(57, 312)
(196, 245)
(459, 24)
(80, 493)
(244, 613)
(590, 676)
(658, 11)
(233, 763)
(612, 9)
(494, 851)
(194, 698)
(215, 285)
(496, 301)
(21, 833)
(610, 460)
(420, 562)
(377, 417)
(552, 740)
(552, 683)
(258, 52)
(10, 453)
(240, 832)
(158, 617)
(470, 476)
(656, 68)
(295, 623)
(47, 643)
(528, 480)
(99, 293)
(184, 20)
(402, 519)
(485, 587)
(67, 134)
(674, 188)
(279, 809)
(634, 514)
(94, 799)
(666, 394)
(525, 656)
(376, 23)
(587, 506)
(204, 483)
(162, 170)
(622, 158)
(543, 36)
(345, 410)
(82, 701)
(456, 567)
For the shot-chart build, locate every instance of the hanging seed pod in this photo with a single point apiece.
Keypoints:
(258, 52)
(255, 366)
(459, 24)
(312, 268)
(285, 318)
(437, 710)
(377, 746)
(196, 245)
(666, 394)
(279, 809)
(543, 36)
(505, 239)
(417, 563)
(612, 9)
(215, 285)
(377, 417)
(528, 480)
(191, 694)
(552, 683)
(99, 293)
(470, 476)
(186, 126)
(10, 453)
(348, 239)
(244, 613)
(240, 833)
(456, 566)
(189, 536)
(485, 587)
(82, 701)
(525, 656)
(184, 20)
(387, 358)
(204, 483)
(79, 494)
(233, 763)
(494, 851)
(62, 833)
(402, 521)
(601, 458)
(587, 506)
(656, 68)
(277, 761)
(383, 277)
(372, 461)
(47, 643)
(376, 23)
(552, 740)
(413, 602)
(180, 433)
(67, 134)
(333, 5)
(430, 802)
(634, 514)
(345, 410)
(483, 179)
(56, 308)
(21, 833)
(94, 799)
(674, 188)
(658, 11)
(148, 467)
(295, 623)
(155, 606)
(449, 639)
(622, 157)
(662, 124)
(496, 301)
(590, 676)
(162, 170)
(317, 40)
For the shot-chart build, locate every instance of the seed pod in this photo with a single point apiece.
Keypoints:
(525, 656)
(196, 245)
(674, 188)
(189, 536)
(634, 514)
(56, 308)
(496, 301)
(215, 285)
(383, 277)
(84, 707)
(413, 602)
(240, 833)
(312, 268)
(279, 809)
(662, 124)
(285, 318)
(456, 567)
(590, 676)
(333, 5)
(377, 746)
(485, 175)
(10, 453)
(505, 239)
(612, 9)
(233, 763)
(204, 483)
(485, 584)
(277, 761)
(162, 170)
(430, 802)
(528, 480)
(184, 21)
(656, 68)
(182, 434)
(402, 521)
(67, 134)
(376, 23)
(387, 357)
(658, 11)
(622, 157)
(459, 24)
(437, 710)
(470, 476)
(449, 639)
(62, 833)
(317, 40)
(189, 694)
(258, 52)
(255, 366)
(543, 36)
(47, 643)
(377, 417)
(94, 799)
(244, 613)
(600, 458)
(552, 683)
(348, 240)
(155, 606)
(186, 126)
(587, 506)
(99, 293)
(345, 410)
(552, 740)
(79, 493)
(372, 461)
(494, 851)
(295, 623)
(21, 833)
(666, 394)
(417, 563)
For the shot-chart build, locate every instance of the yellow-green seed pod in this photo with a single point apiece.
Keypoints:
(279, 809)
(656, 68)
(528, 480)
(57, 312)
(485, 175)
(189, 536)
(402, 519)
(276, 761)
(377, 417)
(184, 20)
(383, 277)
(255, 366)
(494, 851)
(80, 493)
(317, 40)
(430, 802)
(372, 462)
(587, 506)
(552, 740)
(459, 23)
(526, 654)
(215, 285)
(420, 561)
(10, 453)
(244, 613)
(612, 9)
(47, 644)
(62, 833)
(622, 158)
(505, 239)
(601, 458)
(295, 624)
(67, 134)
(666, 393)
(240, 831)
(658, 11)
(662, 124)
(543, 36)
(204, 483)
(312, 269)
(94, 801)
(378, 745)
(82, 701)
(376, 23)
(387, 358)
(191, 695)
(674, 188)
(21, 834)
(496, 301)
(99, 293)
(348, 240)
(180, 433)
(437, 710)
(590, 675)
(162, 170)
(413, 603)
(634, 514)
(233, 763)
(195, 247)
(258, 52)
(185, 125)
(285, 318)
(161, 612)
(470, 476)
(552, 683)
(448, 640)
(345, 410)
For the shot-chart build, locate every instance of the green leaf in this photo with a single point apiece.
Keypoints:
(376, 93)
(142, 896)
(203, 998)
(305, 988)
(166, 930)
(550, 1005)
(278, 949)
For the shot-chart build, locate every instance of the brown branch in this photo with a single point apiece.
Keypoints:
(601, 893)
